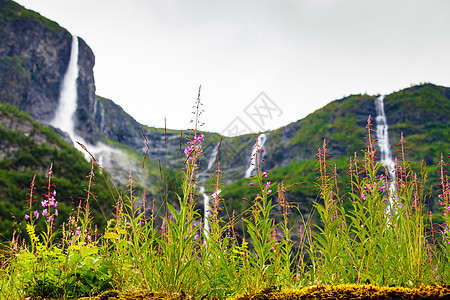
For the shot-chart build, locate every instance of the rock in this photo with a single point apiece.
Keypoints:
(33, 59)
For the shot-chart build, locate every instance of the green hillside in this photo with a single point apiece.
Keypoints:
(31, 148)
(422, 113)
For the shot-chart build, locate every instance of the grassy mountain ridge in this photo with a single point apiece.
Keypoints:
(11, 10)
(421, 112)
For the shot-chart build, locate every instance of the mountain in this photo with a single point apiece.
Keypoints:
(34, 53)
(421, 112)
(34, 57)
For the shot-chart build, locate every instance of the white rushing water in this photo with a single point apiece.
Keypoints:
(260, 142)
(385, 153)
(68, 95)
(212, 158)
(206, 213)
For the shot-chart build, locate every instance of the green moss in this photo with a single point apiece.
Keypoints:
(14, 62)
(12, 11)
(344, 291)
(350, 291)
(138, 295)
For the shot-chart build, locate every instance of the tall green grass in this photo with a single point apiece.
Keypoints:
(379, 238)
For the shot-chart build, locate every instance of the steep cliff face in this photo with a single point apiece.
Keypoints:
(33, 58)
(34, 55)
(85, 124)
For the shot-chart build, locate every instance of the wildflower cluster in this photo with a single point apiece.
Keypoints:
(36, 214)
(372, 188)
(194, 150)
(47, 204)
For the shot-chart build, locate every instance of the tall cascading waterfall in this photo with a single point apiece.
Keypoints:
(212, 158)
(260, 142)
(384, 146)
(64, 115)
(206, 198)
(206, 212)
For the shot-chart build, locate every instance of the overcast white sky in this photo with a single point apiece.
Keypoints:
(151, 55)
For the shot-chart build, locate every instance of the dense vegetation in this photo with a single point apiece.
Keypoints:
(361, 237)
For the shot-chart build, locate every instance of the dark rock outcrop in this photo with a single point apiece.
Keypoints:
(85, 124)
(33, 59)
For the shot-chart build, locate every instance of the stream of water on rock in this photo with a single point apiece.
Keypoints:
(258, 146)
(382, 130)
(206, 197)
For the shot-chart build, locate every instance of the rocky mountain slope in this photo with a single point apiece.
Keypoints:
(28, 148)
(34, 54)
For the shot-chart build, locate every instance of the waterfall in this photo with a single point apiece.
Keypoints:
(384, 146)
(94, 107)
(258, 145)
(102, 119)
(212, 158)
(207, 213)
(64, 115)
(102, 114)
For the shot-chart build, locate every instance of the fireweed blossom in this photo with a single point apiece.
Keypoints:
(268, 187)
(47, 204)
(193, 153)
(194, 149)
